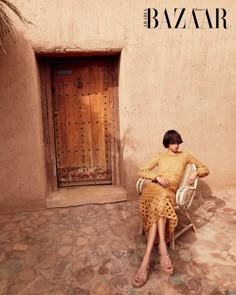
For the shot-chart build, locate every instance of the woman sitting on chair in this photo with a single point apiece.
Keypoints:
(157, 201)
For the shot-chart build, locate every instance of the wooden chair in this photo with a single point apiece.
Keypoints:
(184, 197)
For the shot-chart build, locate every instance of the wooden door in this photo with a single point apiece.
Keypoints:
(83, 101)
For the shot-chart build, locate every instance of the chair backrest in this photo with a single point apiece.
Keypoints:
(186, 192)
(188, 170)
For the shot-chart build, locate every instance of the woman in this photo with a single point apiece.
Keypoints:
(158, 199)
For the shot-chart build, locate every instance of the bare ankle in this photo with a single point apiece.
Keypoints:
(162, 247)
(145, 263)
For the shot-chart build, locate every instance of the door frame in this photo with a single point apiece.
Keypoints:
(44, 63)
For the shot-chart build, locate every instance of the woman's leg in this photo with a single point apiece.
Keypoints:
(150, 242)
(141, 276)
(164, 257)
(161, 225)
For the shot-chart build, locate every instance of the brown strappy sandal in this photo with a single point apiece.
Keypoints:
(141, 277)
(165, 263)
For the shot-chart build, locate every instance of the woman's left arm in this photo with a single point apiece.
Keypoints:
(202, 170)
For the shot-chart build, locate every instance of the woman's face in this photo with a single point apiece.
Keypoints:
(174, 147)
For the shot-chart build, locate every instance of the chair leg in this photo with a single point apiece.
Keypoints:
(190, 221)
(172, 241)
(175, 236)
(187, 227)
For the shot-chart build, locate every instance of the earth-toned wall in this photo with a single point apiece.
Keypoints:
(181, 79)
(22, 174)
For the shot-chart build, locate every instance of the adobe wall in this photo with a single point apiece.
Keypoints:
(22, 173)
(181, 79)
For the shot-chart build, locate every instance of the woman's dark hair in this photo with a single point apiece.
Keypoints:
(171, 137)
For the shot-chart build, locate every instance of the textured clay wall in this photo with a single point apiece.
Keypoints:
(22, 170)
(169, 78)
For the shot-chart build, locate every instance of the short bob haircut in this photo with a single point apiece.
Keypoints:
(171, 137)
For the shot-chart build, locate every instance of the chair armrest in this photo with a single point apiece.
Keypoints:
(184, 196)
(139, 185)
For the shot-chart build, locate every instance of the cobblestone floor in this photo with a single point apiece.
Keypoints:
(96, 249)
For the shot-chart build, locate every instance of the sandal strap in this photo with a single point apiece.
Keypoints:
(141, 275)
(165, 261)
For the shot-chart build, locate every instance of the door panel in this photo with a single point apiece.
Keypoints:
(83, 97)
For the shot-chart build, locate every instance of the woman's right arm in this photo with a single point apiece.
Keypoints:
(146, 173)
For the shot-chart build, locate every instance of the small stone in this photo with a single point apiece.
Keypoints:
(20, 247)
(64, 211)
(109, 206)
(194, 285)
(85, 275)
(89, 230)
(48, 261)
(185, 255)
(66, 240)
(135, 260)
(48, 274)
(79, 219)
(177, 279)
(82, 241)
(35, 215)
(103, 270)
(27, 274)
(101, 287)
(48, 212)
(79, 291)
(62, 266)
(96, 258)
(13, 266)
(125, 214)
(53, 219)
(119, 253)
(118, 229)
(65, 250)
(40, 221)
(119, 282)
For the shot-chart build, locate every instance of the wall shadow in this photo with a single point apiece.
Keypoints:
(129, 167)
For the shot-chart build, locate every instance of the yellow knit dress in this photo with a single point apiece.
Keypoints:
(157, 201)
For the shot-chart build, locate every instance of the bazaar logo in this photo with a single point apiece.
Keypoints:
(182, 18)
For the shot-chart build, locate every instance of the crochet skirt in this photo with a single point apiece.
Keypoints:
(155, 202)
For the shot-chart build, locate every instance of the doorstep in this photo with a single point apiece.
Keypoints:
(96, 194)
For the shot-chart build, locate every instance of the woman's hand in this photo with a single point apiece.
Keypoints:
(192, 177)
(162, 181)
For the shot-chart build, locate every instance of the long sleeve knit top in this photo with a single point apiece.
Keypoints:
(172, 167)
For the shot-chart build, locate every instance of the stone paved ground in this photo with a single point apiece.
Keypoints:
(95, 250)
